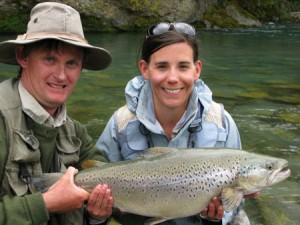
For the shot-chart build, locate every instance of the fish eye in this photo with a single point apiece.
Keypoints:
(269, 166)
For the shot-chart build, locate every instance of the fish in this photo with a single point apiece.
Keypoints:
(168, 183)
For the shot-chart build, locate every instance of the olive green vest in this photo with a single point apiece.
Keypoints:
(24, 153)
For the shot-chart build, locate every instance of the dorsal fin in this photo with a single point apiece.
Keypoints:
(92, 163)
(156, 151)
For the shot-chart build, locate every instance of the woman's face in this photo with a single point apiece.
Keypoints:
(171, 72)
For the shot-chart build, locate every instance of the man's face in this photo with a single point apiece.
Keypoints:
(50, 75)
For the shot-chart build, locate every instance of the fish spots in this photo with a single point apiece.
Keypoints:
(192, 195)
(150, 187)
(154, 196)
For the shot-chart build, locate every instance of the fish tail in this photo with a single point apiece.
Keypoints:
(44, 181)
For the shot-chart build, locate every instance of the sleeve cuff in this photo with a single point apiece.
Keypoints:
(94, 222)
(37, 207)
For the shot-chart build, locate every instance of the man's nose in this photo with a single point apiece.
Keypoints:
(61, 72)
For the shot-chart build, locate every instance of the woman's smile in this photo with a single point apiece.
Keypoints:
(172, 91)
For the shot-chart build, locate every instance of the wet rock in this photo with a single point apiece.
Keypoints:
(242, 18)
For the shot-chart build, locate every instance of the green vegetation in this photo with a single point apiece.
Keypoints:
(93, 24)
(139, 21)
(295, 5)
(267, 10)
(10, 23)
(262, 10)
(142, 5)
(145, 12)
(218, 17)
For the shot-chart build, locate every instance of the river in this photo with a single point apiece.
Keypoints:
(255, 73)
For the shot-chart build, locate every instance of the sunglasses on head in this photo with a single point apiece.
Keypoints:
(161, 28)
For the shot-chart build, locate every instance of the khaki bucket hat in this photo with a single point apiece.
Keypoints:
(51, 20)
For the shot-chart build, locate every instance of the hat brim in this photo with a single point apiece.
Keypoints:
(96, 58)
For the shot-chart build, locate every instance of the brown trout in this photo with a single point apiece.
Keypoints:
(170, 183)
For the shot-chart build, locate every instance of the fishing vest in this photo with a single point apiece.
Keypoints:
(23, 153)
(133, 137)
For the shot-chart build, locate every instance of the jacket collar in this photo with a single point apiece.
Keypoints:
(140, 101)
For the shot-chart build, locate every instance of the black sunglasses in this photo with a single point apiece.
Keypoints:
(161, 28)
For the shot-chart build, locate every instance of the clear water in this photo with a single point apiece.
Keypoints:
(255, 73)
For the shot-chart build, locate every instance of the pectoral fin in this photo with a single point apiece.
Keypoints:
(231, 198)
(155, 220)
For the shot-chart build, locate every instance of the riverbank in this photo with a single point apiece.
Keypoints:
(136, 15)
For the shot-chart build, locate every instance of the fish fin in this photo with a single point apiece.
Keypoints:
(231, 198)
(250, 192)
(156, 151)
(44, 181)
(155, 220)
(92, 163)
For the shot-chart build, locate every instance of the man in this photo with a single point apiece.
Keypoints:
(36, 134)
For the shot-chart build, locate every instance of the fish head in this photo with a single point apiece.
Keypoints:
(259, 171)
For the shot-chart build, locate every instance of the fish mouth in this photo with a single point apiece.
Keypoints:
(279, 175)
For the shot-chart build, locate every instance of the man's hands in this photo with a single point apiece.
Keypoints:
(64, 196)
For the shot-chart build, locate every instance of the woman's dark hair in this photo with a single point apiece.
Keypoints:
(155, 42)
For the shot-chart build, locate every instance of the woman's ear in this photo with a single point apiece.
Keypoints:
(19, 56)
(198, 66)
(144, 69)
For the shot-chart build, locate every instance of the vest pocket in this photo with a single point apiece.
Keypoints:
(18, 187)
(13, 178)
(68, 149)
(28, 153)
(24, 150)
(134, 143)
(207, 137)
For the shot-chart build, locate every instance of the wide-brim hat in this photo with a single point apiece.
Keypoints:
(52, 20)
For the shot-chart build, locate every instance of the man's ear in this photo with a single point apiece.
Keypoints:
(144, 69)
(22, 61)
(198, 66)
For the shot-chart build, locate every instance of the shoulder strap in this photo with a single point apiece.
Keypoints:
(215, 114)
(3, 147)
(123, 117)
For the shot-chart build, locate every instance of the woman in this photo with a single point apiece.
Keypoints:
(169, 106)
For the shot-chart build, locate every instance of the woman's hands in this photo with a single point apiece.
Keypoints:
(100, 203)
(214, 210)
